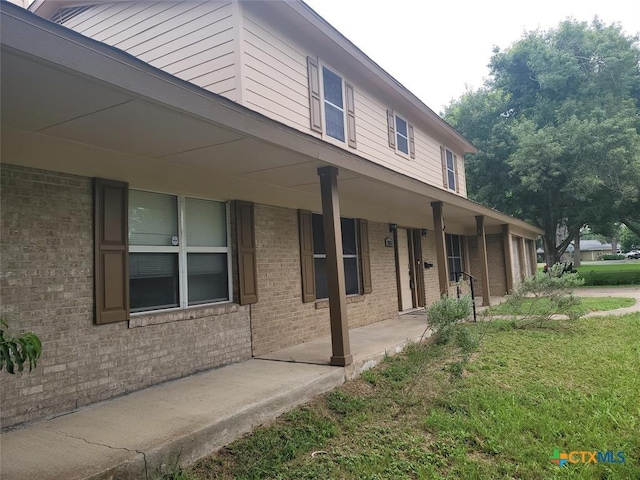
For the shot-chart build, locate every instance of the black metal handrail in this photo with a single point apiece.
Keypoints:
(473, 297)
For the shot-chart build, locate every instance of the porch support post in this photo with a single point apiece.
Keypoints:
(335, 267)
(534, 257)
(523, 265)
(441, 251)
(508, 256)
(484, 265)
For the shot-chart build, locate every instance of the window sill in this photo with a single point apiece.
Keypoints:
(144, 319)
(400, 153)
(324, 303)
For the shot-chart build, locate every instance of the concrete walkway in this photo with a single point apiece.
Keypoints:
(133, 436)
(630, 292)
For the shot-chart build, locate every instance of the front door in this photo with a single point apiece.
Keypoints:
(404, 270)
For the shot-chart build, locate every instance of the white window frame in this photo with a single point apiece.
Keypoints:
(325, 135)
(182, 249)
(453, 187)
(356, 255)
(397, 133)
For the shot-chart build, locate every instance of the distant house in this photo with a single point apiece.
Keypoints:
(592, 249)
(190, 184)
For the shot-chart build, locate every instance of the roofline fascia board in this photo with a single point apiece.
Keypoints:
(28, 34)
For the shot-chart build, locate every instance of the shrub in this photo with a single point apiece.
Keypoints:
(445, 313)
(615, 277)
(610, 256)
(552, 294)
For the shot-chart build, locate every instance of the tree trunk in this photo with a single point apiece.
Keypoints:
(576, 250)
(551, 254)
(614, 245)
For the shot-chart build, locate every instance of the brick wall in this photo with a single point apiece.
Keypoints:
(495, 260)
(280, 319)
(47, 287)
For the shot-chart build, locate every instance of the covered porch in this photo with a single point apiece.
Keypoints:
(76, 106)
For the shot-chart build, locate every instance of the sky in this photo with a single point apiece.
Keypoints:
(439, 49)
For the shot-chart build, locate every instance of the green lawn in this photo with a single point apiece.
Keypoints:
(586, 267)
(572, 386)
(587, 304)
(616, 274)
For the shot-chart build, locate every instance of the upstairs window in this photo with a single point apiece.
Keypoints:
(332, 110)
(333, 104)
(401, 136)
(178, 251)
(450, 170)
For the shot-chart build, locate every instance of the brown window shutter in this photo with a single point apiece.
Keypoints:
(455, 168)
(307, 266)
(445, 177)
(412, 143)
(246, 244)
(391, 126)
(351, 115)
(365, 257)
(315, 104)
(111, 255)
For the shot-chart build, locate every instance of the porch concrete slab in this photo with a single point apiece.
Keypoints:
(369, 344)
(131, 437)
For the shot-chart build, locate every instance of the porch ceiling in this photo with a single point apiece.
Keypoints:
(220, 148)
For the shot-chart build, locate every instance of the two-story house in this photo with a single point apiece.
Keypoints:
(187, 184)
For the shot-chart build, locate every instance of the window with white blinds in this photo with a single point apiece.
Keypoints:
(178, 251)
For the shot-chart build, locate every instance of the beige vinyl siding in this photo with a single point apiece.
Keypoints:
(275, 74)
(201, 41)
(373, 143)
(462, 178)
(275, 83)
(191, 40)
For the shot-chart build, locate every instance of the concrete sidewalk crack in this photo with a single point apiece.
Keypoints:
(144, 456)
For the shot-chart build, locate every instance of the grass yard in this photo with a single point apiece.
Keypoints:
(603, 275)
(587, 304)
(616, 274)
(617, 267)
(571, 386)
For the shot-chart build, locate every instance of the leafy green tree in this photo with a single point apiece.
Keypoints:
(558, 130)
(628, 239)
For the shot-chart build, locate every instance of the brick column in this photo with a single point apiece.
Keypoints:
(508, 256)
(441, 250)
(335, 267)
(484, 265)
